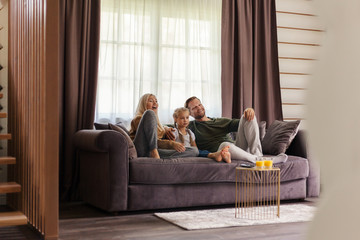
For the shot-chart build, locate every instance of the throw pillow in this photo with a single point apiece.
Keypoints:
(132, 149)
(279, 136)
(122, 125)
(262, 129)
(104, 126)
(101, 126)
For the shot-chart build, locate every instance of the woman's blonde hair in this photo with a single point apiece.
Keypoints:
(141, 108)
(176, 115)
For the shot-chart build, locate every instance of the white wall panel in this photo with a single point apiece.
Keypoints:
(298, 51)
(296, 36)
(298, 21)
(294, 81)
(293, 96)
(296, 66)
(294, 111)
(300, 35)
(299, 6)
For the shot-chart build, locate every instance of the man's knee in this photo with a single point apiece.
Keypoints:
(224, 144)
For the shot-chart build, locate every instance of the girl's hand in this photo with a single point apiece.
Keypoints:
(178, 147)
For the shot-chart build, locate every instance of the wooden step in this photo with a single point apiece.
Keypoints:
(9, 187)
(7, 160)
(3, 115)
(5, 136)
(12, 218)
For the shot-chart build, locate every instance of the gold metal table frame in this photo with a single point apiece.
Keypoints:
(257, 193)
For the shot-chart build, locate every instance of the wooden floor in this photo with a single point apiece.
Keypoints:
(81, 221)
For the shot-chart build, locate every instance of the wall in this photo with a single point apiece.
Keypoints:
(334, 117)
(300, 35)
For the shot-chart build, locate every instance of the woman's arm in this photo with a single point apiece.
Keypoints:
(134, 125)
(164, 144)
(168, 144)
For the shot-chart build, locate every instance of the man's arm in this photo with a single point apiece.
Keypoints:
(169, 133)
(233, 125)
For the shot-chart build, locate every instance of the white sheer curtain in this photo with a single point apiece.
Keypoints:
(170, 48)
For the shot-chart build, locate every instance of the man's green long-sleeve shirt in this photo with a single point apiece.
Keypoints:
(210, 134)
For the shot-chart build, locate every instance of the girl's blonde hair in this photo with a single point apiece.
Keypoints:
(176, 115)
(141, 108)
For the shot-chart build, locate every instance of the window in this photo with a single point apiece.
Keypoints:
(168, 48)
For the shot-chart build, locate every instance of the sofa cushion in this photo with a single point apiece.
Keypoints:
(202, 170)
(132, 149)
(279, 136)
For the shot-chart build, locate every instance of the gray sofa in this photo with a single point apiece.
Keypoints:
(112, 182)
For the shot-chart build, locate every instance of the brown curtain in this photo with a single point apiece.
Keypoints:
(80, 53)
(249, 59)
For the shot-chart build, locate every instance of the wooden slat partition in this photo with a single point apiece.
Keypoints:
(33, 117)
(300, 36)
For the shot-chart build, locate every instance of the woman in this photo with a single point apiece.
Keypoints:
(148, 134)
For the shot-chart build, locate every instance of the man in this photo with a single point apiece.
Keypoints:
(212, 134)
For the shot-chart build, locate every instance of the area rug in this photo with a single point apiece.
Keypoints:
(220, 218)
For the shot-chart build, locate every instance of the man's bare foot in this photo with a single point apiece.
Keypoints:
(225, 154)
(154, 153)
(220, 155)
(216, 156)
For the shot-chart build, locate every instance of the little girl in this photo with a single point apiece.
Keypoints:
(187, 137)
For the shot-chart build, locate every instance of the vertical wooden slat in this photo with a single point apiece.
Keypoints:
(52, 75)
(38, 119)
(34, 110)
(30, 117)
(22, 112)
(25, 102)
(39, 46)
(32, 114)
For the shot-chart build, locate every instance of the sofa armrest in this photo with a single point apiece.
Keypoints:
(299, 147)
(104, 168)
